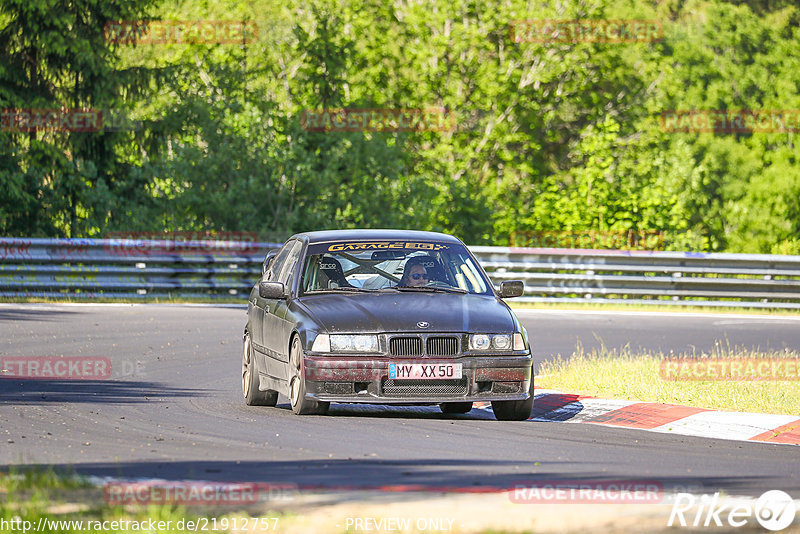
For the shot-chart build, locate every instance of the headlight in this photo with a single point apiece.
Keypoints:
(353, 343)
(493, 342)
(519, 343)
(502, 342)
(479, 342)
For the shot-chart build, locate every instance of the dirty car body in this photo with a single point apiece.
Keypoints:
(386, 317)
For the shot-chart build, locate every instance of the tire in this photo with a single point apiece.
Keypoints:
(518, 410)
(455, 407)
(252, 396)
(297, 385)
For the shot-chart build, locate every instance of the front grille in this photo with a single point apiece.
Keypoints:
(425, 388)
(442, 346)
(405, 346)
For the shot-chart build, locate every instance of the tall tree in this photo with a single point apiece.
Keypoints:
(61, 180)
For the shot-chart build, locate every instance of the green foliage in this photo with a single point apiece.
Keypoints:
(546, 137)
(56, 57)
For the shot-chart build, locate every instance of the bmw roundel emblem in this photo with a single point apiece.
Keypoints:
(423, 324)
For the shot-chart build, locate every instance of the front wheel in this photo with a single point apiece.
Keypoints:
(518, 410)
(297, 385)
(252, 396)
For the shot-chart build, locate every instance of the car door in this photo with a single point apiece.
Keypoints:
(276, 331)
(261, 306)
(255, 312)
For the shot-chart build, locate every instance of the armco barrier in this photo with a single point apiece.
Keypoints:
(128, 268)
(650, 277)
(131, 268)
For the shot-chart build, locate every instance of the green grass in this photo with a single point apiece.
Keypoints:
(16, 480)
(636, 376)
(36, 494)
(32, 495)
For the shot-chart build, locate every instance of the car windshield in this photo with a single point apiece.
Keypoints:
(392, 266)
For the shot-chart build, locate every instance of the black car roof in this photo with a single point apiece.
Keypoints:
(374, 234)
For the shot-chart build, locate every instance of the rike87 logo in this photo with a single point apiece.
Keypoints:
(774, 510)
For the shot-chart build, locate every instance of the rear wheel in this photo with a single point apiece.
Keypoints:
(252, 396)
(455, 407)
(297, 385)
(518, 410)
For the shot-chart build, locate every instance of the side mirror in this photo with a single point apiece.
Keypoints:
(511, 288)
(271, 290)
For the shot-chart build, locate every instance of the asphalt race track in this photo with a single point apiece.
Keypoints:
(173, 409)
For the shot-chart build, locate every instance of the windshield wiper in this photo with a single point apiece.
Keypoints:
(429, 289)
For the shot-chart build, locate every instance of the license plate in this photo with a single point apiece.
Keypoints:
(429, 371)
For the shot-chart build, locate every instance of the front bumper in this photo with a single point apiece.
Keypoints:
(365, 379)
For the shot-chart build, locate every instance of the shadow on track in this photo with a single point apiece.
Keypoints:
(33, 314)
(394, 411)
(389, 477)
(31, 392)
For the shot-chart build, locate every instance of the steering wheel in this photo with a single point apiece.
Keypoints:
(438, 283)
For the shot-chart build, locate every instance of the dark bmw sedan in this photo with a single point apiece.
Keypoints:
(386, 317)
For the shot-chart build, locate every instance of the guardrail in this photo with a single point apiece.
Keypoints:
(128, 268)
(647, 277)
(132, 268)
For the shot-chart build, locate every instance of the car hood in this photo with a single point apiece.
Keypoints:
(400, 312)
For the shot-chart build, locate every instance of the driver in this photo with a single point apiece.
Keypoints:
(415, 274)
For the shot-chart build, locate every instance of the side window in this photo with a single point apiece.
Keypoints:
(277, 262)
(268, 260)
(289, 265)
